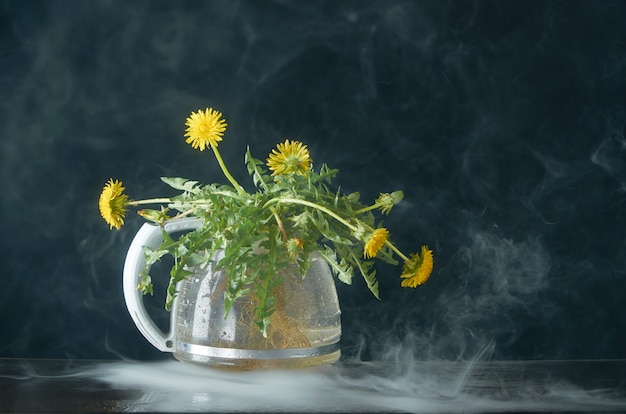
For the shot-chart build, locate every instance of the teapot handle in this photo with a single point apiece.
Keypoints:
(150, 236)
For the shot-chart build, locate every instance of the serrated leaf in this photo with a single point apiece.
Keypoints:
(145, 283)
(195, 259)
(228, 305)
(259, 177)
(368, 274)
(320, 221)
(345, 272)
(342, 270)
(169, 244)
(178, 273)
(171, 295)
(182, 184)
(153, 256)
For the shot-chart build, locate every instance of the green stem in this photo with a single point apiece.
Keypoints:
(183, 214)
(232, 180)
(333, 215)
(313, 205)
(149, 201)
(198, 202)
(281, 226)
(366, 209)
(396, 251)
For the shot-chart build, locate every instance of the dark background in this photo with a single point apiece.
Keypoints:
(502, 121)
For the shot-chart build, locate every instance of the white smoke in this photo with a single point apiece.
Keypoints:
(412, 386)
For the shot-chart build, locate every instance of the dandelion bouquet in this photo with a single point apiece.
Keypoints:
(292, 212)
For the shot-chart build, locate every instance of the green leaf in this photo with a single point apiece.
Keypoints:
(368, 274)
(385, 254)
(169, 244)
(171, 295)
(259, 175)
(179, 272)
(230, 297)
(345, 272)
(327, 173)
(342, 269)
(263, 324)
(182, 184)
(321, 222)
(153, 256)
(145, 283)
(196, 259)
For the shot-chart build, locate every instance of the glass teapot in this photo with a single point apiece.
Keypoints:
(304, 330)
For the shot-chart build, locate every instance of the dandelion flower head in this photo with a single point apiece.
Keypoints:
(205, 128)
(290, 157)
(418, 268)
(113, 203)
(375, 242)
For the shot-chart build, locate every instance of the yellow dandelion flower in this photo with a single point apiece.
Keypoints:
(375, 242)
(292, 157)
(113, 203)
(205, 128)
(418, 268)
